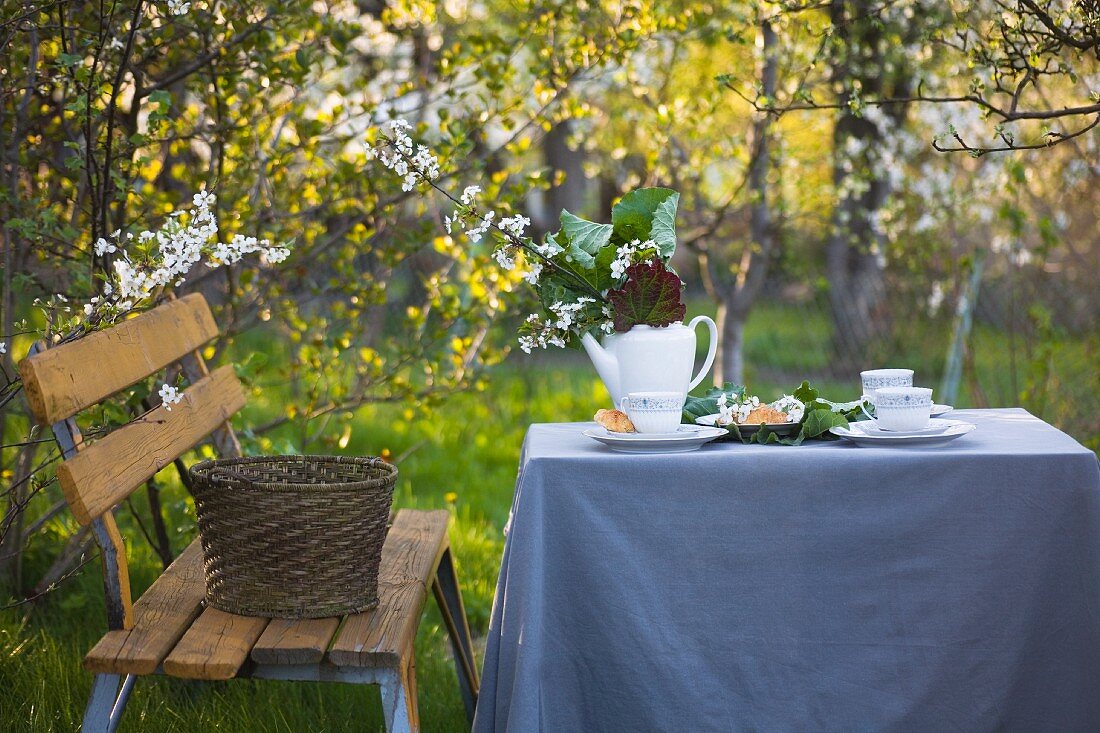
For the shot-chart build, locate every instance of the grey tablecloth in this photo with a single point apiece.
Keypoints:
(821, 588)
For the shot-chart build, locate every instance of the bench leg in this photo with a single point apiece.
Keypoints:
(449, 599)
(106, 703)
(399, 696)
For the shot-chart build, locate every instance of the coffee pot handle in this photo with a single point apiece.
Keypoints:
(710, 351)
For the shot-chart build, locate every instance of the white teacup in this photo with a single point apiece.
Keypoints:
(875, 379)
(903, 408)
(654, 412)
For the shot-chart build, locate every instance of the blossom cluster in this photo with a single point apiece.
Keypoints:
(182, 242)
(541, 334)
(565, 318)
(169, 396)
(632, 253)
(567, 312)
(179, 7)
(792, 406)
(732, 408)
(416, 163)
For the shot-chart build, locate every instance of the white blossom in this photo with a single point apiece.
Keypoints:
(515, 225)
(476, 232)
(179, 7)
(608, 324)
(548, 249)
(187, 238)
(627, 255)
(469, 194)
(504, 259)
(397, 154)
(534, 271)
(274, 255)
(794, 408)
(544, 334)
(169, 396)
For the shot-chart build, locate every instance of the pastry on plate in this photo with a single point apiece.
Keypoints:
(765, 414)
(615, 421)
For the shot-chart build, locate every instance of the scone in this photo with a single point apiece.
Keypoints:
(765, 414)
(614, 420)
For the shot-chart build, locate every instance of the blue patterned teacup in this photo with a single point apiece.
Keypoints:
(875, 379)
(903, 408)
(654, 412)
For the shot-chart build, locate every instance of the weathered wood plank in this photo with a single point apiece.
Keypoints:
(291, 641)
(215, 646)
(116, 572)
(161, 616)
(413, 548)
(62, 381)
(108, 470)
(116, 569)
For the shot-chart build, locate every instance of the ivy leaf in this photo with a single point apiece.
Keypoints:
(651, 296)
(708, 404)
(818, 422)
(805, 393)
(647, 213)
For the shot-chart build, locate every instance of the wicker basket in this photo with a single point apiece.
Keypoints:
(292, 536)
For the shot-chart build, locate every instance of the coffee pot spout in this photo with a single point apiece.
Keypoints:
(607, 365)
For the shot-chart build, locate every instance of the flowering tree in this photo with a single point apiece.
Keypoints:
(590, 277)
(1017, 57)
(115, 115)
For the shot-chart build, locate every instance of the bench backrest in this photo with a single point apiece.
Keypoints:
(97, 475)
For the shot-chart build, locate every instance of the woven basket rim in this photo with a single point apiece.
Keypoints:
(203, 471)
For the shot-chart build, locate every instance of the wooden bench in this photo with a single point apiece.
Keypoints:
(168, 630)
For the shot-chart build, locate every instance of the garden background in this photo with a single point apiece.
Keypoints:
(863, 184)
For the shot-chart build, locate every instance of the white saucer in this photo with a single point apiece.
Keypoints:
(686, 438)
(938, 410)
(858, 434)
(934, 427)
(779, 428)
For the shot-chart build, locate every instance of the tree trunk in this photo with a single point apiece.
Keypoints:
(737, 298)
(729, 363)
(566, 164)
(855, 247)
(12, 537)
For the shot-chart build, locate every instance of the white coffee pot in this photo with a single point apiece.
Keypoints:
(650, 359)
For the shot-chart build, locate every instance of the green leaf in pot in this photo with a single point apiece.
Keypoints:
(583, 239)
(647, 213)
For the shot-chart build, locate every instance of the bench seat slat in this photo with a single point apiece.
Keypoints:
(108, 470)
(215, 647)
(161, 616)
(410, 557)
(295, 641)
(62, 381)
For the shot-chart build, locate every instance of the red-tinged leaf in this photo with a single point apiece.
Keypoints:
(651, 296)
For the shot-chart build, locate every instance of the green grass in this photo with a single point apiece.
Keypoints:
(463, 458)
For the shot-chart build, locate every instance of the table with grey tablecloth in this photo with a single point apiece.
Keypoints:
(826, 587)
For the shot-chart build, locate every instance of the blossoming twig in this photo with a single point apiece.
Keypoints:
(418, 165)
